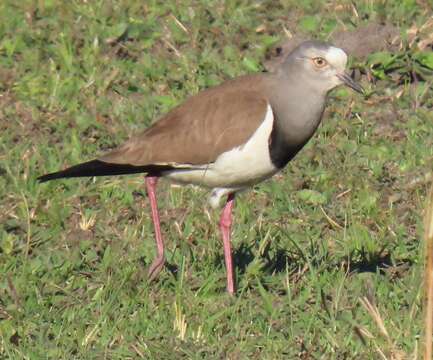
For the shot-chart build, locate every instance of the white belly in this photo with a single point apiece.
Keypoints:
(240, 167)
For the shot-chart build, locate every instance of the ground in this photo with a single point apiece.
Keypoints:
(329, 253)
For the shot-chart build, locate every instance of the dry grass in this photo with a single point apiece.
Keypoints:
(428, 236)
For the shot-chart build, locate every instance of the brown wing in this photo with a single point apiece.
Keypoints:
(198, 131)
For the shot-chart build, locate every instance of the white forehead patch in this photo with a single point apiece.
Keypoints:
(336, 57)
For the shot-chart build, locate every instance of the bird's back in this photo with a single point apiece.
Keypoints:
(199, 130)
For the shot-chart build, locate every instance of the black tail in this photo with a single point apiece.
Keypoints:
(101, 168)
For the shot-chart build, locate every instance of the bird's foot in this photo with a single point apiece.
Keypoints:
(155, 268)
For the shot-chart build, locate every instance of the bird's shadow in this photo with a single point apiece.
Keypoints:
(244, 255)
(362, 262)
(274, 261)
(380, 262)
(280, 260)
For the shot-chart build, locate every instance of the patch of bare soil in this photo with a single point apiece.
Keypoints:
(360, 42)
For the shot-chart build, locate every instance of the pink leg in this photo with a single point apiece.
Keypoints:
(158, 263)
(225, 227)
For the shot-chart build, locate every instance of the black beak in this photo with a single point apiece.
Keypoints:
(348, 81)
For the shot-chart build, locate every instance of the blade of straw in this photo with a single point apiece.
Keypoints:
(428, 238)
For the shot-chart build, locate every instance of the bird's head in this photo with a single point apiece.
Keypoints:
(322, 65)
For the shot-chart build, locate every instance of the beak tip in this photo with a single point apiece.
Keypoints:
(360, 90)
(348, 81)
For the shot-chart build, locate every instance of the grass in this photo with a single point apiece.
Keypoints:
(338, 230)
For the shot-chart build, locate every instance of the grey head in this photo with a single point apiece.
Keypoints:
(320, 65)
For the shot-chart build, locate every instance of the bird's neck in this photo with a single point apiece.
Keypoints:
(297, 114)
(299, 109)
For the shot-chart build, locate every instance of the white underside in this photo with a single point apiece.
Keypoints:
(237, 168)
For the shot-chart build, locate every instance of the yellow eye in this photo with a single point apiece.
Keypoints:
(319, 62)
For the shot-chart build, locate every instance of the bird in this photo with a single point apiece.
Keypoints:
(229, 137)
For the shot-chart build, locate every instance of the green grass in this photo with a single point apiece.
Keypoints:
(342, 222)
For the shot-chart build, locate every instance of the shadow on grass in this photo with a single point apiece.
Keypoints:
(278, 261)
(274, 262)
(380, 262)
(358, 262)
(362, 261)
